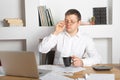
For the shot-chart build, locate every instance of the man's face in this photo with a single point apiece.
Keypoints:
(71, 23)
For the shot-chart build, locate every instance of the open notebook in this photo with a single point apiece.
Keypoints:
(19, 64)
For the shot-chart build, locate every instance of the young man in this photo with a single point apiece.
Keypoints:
(68, 41)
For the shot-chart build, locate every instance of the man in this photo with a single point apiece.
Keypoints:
(68, 41)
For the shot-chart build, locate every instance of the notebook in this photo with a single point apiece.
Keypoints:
(19, 63)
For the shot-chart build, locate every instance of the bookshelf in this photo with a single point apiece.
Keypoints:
(58, 11)
(31, 33)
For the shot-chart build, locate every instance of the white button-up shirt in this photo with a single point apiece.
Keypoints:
(66, 45)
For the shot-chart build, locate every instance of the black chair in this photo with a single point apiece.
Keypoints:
(0, 63)
(47, 58)
(50, 57)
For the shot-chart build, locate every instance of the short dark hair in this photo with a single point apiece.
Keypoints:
(75, 12)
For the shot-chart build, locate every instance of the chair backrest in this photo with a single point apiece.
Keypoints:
(50, 57)
(47, 58)
(0, 63)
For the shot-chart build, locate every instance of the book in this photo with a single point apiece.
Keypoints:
(48, 18)
(12, 19)
(42, 15)
(45, 16)
(13, 22)
(51, 17)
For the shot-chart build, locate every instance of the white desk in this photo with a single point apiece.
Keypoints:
(88, 70)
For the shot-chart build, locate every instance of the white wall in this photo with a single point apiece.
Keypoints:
(11, 9)
(104, 48)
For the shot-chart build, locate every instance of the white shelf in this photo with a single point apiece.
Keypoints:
(12, 33)
(84, 6)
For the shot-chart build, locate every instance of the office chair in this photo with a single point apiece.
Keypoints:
(50, 57)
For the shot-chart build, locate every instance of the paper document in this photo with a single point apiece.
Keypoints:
(101, 77)
(2, 73)
(53, 76)
(57, 68)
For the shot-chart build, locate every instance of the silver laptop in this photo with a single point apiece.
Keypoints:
(19, 64)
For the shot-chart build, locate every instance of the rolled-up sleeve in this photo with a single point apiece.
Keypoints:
(48, 43)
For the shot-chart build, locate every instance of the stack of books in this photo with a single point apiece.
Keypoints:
(13, 22)
(45, 16)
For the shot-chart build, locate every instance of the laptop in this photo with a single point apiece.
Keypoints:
(20, 63)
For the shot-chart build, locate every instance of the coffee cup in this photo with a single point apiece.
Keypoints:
(67, 61)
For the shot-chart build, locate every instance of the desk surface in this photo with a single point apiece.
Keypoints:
(115, 70)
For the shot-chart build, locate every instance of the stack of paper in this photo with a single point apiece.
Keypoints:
(1, 71)
(101, 77)
(60, 70)
(53, 76)
(56, 68)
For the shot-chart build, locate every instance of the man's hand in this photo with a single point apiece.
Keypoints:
(59, 27)
(77, 62)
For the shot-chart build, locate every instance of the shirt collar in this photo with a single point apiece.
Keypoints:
(76, 35)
